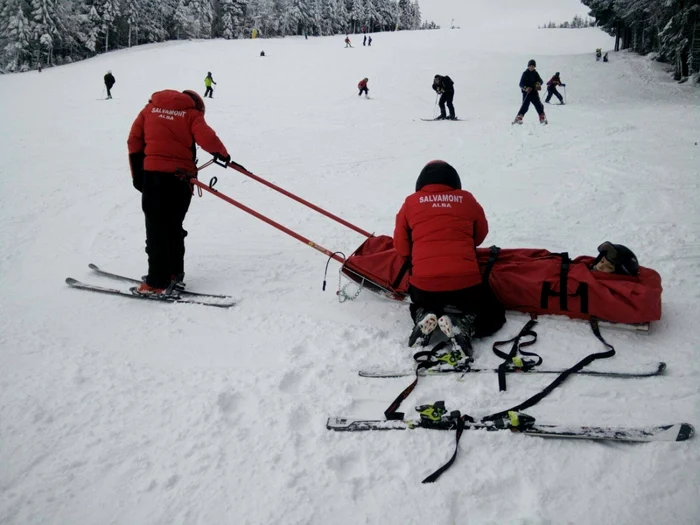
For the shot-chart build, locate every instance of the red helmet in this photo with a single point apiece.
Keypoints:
(198, 102)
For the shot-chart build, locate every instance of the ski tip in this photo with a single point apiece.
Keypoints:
(70, 281)
(685, 432)
(93, 266)
(662, 367)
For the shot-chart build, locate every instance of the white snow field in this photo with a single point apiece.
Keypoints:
(117, 411)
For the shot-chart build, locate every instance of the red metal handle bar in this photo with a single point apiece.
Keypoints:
(245, 172)
(277, 225)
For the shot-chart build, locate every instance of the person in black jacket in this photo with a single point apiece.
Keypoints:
(446, 88)
(530, 85)
(109, 82)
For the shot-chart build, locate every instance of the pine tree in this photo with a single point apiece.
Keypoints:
(110, 12)
(16, 37)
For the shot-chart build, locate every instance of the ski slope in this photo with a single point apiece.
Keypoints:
(127, 412)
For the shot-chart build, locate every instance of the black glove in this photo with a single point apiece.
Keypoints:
(222, 158)
(136, 165)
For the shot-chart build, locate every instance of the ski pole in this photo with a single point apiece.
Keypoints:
(564, 94)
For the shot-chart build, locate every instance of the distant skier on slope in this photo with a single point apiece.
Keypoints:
(444, 86)
(208, 81)
(530, 85)
(362, 86)
(552, 88)
(438, 228)
(162, 142)
(109, 82)
(347, 41)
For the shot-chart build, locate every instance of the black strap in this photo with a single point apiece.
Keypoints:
(562, 377)
(516, 347)
(399, 277)
(424, 360)
(460, 430)
(564, 282)
(581, 291)
(533, 400)
(493, 255)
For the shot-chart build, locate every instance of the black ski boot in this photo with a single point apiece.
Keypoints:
(426, 322)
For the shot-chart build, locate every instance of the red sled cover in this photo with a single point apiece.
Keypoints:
(528, 280)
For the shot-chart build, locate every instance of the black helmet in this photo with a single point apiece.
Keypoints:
(532, 63)
(556, 74)
(438, 172)
(621, 256)
(209, 73)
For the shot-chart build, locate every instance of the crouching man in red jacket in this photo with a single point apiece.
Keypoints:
(161, 143)
(438, 228)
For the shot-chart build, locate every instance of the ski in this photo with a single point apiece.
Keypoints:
(440, 119)
(174, 298)
(658, 370)
(118, 277)
(674, 432)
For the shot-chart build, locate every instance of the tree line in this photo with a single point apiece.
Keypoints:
(54, 32)
(670, 28)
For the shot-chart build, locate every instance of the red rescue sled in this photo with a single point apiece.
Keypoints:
(533, 281)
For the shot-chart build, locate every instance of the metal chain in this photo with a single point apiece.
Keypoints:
(342, 294)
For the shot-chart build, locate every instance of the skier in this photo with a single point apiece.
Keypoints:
(362, 86)
(616, 258)
(605, 57)
(445, 87)
(109, 82)
(438, 229)
(598, 54)
(347, 41)
(262, 53)
(208, 81)
(161, 146)
(364, 41)
(369, 41)
(530, 84)
(552, 88)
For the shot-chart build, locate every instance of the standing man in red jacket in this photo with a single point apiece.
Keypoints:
(162, 141)
(438, 228)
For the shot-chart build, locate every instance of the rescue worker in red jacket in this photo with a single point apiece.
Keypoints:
(162, 142)
(362, 86)
(438, 229)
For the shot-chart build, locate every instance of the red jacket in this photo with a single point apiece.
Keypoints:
(166, 131)
(362, 84)
(554, 81)
(439, 228)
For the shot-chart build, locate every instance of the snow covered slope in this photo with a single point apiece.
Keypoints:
(126, 412)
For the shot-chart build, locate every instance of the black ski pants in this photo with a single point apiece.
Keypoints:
(165, 200)
(478, 300)
(552, 90)
(447, 98)
(363, 90)
(209, 91)
(109, 91)
(534, 98)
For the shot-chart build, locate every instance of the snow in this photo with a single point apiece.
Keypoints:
(127, 412)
